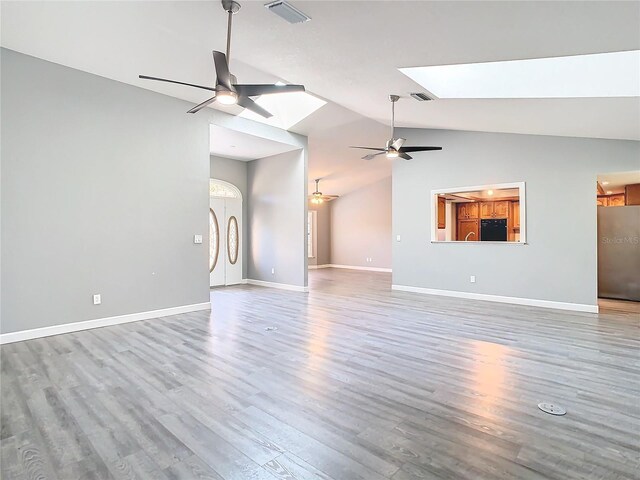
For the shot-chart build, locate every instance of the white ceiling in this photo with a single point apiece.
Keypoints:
(228, 143)
(349, 54)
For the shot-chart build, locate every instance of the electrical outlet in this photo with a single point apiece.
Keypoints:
(273, 271)
(97, 299)
(197, 239)
(397, 238)
(472, 279)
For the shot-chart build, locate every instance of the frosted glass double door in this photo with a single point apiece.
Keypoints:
(225, 241)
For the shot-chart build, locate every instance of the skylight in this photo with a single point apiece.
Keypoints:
(614, 74)
(287, 108)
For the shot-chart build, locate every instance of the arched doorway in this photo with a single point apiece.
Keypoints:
(225, 233)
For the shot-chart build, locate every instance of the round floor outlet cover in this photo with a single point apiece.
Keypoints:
(551, 408)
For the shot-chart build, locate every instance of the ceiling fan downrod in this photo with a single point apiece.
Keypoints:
(394, 99)
(231, 7)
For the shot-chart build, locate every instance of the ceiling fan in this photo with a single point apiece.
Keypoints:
(227, 91)
(395, 146)
(317, 197)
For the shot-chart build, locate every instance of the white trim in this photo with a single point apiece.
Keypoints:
(532, 302)
(281, 286)
(99, 322)
(316, 267)
(354, 267)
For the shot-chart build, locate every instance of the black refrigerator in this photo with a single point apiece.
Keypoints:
(493, 230)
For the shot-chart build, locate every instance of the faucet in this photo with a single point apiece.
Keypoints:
(466, 239)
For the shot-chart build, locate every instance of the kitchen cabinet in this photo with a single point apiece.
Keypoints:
(616, 200)
(632, 194)
(498, 209)
(467, 210)
(468, 229)
(442, 212)
(515, 215)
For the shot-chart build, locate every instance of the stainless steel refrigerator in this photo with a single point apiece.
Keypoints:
(619, 252)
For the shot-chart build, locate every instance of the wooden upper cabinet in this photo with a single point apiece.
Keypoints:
(498, 209)
(632, 194)
(602, 201)
(501, 209)
(442, 212)
(467, 210)
(486, 209)
(515, 215)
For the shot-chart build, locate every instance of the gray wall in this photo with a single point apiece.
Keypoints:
(559, 263)
(277, 214)
(323, 234)
(361, 227)
(103, 187)
(235, 172)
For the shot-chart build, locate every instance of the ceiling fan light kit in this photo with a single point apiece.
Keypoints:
(318, 198)
(227, 97)
(395, 147)
(227, 91)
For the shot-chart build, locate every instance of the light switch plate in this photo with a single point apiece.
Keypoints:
(397, 238)
(97, 299)
(197, 239)
(472, 279)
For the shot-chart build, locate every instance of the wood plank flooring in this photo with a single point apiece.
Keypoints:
(356, 382)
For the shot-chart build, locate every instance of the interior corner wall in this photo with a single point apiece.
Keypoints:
(559, 261)
(235, 172)
(277, 214)
(103, 187)
(323, 234)
(361, 227)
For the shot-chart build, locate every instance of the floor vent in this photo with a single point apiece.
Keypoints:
(551, 408)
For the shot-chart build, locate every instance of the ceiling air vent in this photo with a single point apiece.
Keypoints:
(421, 97)
(287, 12)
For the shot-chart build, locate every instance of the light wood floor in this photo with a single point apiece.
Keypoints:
(357, 382)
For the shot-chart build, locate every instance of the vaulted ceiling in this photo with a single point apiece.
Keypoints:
(349, 54)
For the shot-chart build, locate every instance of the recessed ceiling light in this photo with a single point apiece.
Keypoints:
(489, 192)
(609, 192)
(615, 74)
(605, 183)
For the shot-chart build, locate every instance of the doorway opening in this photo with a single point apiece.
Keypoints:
(618, 207)
(225, 233)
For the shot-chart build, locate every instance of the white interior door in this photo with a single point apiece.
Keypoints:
(217, 239)
(233, 241)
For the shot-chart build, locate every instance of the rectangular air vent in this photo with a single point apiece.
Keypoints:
(287, 12)
(421, 97)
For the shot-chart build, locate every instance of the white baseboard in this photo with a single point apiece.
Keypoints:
(99, 322)
(532, 302)
(354, 267)
(281, 286)
(316, 267)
